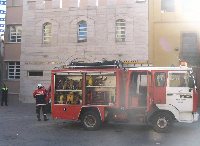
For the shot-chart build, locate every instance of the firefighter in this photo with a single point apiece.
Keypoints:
(40, 96)
(4, 98)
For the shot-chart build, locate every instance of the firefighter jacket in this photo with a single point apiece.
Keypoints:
(4, 90)
(40, 96)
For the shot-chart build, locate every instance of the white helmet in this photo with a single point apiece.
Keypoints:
(39, 85)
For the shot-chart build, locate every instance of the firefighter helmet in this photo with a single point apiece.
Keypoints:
(39, 86)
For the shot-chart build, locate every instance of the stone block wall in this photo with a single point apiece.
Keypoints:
(64, 15)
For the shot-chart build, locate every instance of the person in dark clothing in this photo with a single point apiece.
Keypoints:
(40, 95)
(4, 98)
(48, 100)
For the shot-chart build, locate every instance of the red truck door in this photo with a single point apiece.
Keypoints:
(159, 87)
(178, 92)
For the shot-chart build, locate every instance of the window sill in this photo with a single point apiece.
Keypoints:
(13, 80)
(14, 6)
(120, 42)
(12, 42)
(82, 41)
(46, 45)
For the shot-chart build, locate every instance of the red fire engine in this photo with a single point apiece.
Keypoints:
(99, 92)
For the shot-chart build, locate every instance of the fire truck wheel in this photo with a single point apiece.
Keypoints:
(91, 120)
(162, 122)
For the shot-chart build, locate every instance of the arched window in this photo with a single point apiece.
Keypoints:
(120, 30)
(46, 33)
(82, 31)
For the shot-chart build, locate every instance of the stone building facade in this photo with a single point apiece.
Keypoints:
(51, 32)
(10, 73)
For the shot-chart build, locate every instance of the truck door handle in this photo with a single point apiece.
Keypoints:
(169, 94)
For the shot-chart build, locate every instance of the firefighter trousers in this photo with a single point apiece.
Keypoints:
(4, 99)
(38, 109)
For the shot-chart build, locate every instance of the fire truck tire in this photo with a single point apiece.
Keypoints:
(91, 120)
(162, 122)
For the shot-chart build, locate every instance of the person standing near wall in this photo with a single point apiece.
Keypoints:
(4, 95)
(40, 96)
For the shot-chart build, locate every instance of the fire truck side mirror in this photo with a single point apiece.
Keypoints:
(191, 82)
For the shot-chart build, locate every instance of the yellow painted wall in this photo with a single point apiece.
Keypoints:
(165, 29)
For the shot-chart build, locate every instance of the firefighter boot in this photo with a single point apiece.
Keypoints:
(38, 117)
(45, 117)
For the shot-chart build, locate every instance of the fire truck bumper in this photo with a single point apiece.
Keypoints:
(195, 116)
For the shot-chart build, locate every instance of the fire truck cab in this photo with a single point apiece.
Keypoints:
(157, 96)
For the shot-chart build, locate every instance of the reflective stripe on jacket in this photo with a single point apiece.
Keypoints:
(4, 88)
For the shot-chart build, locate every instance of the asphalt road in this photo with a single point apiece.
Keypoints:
(19, 127)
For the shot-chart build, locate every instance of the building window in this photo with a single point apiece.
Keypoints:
(15, 33)
(82, 31)
(120, 30)
(190, 49)
(189, 42)
(167, 5)
(190, 6)
(35, 73)
(31, 5)
(46, 33)
(140, 1)
(15, 3)
(13, 70)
